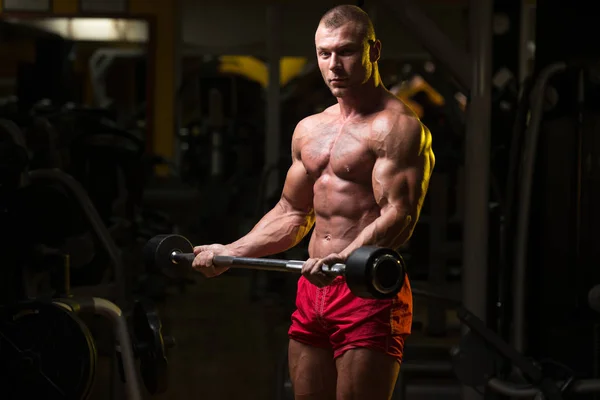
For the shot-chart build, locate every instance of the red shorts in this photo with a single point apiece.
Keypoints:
(333, 317)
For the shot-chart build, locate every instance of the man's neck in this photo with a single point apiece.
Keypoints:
(364, 100)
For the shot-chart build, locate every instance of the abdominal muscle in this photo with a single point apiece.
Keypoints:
(342, 210)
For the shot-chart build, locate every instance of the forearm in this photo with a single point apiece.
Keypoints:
(280, 229)
(391, 229)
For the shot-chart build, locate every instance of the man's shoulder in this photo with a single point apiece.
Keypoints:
(399, 130)
(310, 122)
(396, 119)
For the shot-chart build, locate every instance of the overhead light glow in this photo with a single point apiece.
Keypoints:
(92, 29)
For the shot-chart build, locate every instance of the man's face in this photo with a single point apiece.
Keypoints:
(344, 58)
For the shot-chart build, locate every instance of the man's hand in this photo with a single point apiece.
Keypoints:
(313, 272)
(204, 259)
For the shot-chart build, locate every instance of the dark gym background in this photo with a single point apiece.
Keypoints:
(176, 117)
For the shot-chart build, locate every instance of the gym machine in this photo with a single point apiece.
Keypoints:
(45, 345)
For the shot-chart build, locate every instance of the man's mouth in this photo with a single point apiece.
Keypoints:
(337, 80)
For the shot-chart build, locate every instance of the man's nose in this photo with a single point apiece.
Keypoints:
(334, 62)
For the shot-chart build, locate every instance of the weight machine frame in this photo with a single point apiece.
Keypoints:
(115, 316)
(100, 294)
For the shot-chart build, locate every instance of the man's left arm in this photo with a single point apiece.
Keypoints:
(401, 175)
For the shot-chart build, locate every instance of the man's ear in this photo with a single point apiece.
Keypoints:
(375, 51)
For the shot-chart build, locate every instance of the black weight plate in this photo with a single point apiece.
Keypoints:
(155, 374)
(150, 346)
(157, 254)
(359, 277)
(149, 253)
(45, 351)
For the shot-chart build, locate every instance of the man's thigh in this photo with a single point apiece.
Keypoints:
(366, 374)
(312, 371)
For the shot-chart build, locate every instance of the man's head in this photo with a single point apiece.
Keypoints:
(347, 50)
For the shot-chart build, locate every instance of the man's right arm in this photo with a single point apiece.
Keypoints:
(290, 220)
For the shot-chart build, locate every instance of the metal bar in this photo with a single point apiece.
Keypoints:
(114, 314)
(98, 226)
(116, 380)
(477, 165)
(267, 264)
(524, 38)
(524, 199)
(434, 40)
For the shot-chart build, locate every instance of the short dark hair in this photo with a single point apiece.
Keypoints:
(340, 15)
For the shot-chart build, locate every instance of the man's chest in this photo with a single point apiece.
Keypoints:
(342, 150)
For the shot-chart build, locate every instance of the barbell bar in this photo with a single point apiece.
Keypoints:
(370, 271)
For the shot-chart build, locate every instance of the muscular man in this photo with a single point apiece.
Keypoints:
(359, 174)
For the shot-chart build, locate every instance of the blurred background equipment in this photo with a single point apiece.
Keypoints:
(122, 120)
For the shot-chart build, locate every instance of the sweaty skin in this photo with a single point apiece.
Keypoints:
(359, 173)
(360, 181)
(365, 174)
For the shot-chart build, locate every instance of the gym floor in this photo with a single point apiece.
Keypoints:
(228, 347)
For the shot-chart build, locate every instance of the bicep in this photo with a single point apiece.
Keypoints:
(398, 186)
(401, 175)
(298, 188)
(297, 191)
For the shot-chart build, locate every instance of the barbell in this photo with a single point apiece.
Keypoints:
(370, 271)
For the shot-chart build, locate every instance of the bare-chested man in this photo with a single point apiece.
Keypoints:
(359, 174)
